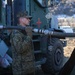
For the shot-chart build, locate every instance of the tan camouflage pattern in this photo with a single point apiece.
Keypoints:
(22, 53)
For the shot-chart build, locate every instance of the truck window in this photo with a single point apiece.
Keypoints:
(42, 3)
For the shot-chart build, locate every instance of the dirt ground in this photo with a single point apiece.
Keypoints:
(70, 46)
(68, 50)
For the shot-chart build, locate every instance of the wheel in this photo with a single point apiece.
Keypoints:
(54, 56)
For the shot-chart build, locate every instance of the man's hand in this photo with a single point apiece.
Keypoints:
(46, 31)
(1, 26)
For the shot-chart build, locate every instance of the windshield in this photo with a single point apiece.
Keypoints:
(42, 3)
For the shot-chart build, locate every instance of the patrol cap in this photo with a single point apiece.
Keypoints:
(24, 14)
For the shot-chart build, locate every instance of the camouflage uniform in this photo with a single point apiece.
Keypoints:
(22, 53)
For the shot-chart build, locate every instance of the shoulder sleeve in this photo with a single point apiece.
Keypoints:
(16, 41)
(21, 43)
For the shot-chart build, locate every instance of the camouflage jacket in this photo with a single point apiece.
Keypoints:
(22, 53)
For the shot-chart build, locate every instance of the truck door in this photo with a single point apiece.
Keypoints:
(34, 8)
(38, 12)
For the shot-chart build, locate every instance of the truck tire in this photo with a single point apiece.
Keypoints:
(54, 57)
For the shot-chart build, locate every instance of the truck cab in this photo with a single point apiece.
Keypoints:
(48, 50)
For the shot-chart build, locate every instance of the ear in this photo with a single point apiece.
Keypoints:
(21, 19)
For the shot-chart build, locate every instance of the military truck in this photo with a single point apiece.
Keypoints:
(48, 49)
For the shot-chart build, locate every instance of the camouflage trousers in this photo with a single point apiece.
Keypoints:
(23, 69)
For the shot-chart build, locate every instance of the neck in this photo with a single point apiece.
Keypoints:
(23, 25)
